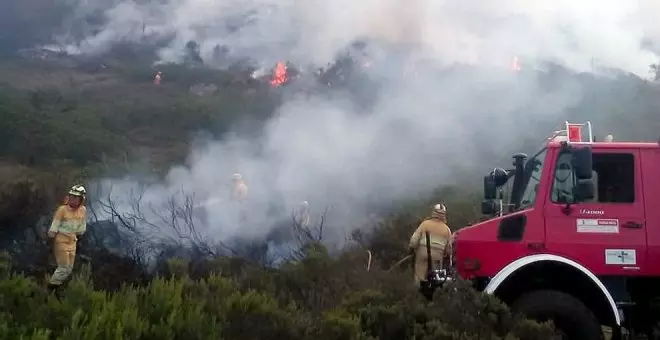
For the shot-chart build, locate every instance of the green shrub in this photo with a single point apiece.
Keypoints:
(219, 306)
(339, 325)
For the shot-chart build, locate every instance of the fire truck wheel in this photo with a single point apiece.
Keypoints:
(570, 316)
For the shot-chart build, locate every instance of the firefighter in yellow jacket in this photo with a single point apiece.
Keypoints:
(238, 194)
(239, 188)
(69, 222)
(440, 237)
(302, 216)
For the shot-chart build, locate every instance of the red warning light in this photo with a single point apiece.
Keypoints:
(575, 133)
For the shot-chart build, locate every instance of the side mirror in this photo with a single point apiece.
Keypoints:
(490, 189)
(500, 176)
(494, 180)
(489, 207)
(581, 162)
(584, 190)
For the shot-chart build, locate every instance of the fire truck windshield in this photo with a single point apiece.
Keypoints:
(532, 178)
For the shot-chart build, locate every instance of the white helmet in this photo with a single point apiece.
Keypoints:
(78, 190)
(237, 177)
(440, 208)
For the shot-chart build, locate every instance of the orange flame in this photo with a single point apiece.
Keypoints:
(279, 75)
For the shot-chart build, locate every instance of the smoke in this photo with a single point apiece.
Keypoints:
(352, 161)
(420, 132)
(579, 34)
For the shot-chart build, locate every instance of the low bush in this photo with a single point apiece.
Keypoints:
(304, 299)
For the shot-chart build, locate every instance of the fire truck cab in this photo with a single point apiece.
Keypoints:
(577, 241)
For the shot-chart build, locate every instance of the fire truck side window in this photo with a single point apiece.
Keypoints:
(613, 177)
(616, 177)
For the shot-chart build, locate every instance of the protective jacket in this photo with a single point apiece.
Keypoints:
(239, 191)
(440, 237)
(68, 223)
(302, 217)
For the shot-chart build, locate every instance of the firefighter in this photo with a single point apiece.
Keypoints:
(157, 78)
(238, 197)
(69, 222)
(440, 237)
(302, 215)
(239, 189)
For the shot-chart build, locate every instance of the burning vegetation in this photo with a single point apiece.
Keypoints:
(153, 272)
(280, 75)
(147, 262)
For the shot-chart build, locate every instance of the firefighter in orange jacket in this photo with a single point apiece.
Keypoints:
(440, 240)
(69, 222)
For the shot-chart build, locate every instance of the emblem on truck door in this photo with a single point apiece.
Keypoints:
(620, 256)
(591, 212)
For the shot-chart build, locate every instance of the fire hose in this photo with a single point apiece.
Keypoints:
(393, 266)
(404, 259)
(369, 260)
(407, 257)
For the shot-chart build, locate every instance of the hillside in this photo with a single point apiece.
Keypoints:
(66, 125)
(369, 143)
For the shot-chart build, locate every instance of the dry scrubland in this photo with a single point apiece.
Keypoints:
(121, 121)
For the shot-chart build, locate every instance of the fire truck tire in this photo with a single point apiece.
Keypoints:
(569, 314)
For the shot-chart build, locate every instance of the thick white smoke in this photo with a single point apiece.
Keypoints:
(421, 129)
(578, 34)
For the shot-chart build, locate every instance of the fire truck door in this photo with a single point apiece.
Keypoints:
(651, 169)
(607, 233)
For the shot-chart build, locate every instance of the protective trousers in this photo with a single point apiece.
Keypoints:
(421, 262)
(240, 213)
(64, 249)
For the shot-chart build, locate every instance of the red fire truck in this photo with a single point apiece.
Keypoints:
(577, 241)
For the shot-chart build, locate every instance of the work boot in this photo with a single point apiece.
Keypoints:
(55, 289)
